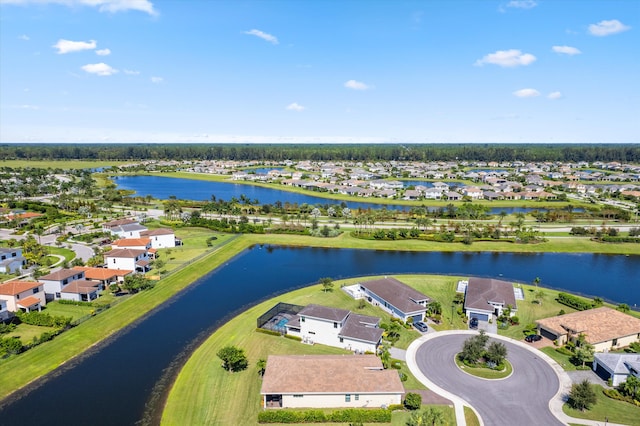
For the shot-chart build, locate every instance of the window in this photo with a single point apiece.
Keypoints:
(347, 398)
(312, 332)
(615, 342)
(356, 397)
(335, 325)
(36, 290)
(302, 319)
(57, 295)
(298, 396)
(341, 340)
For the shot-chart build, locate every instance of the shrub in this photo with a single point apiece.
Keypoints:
(270, 332)
(233, 358)
(292, 337)
(574, 301)
(412, 401)
(74, 302)
(564, 351)
(318, 416)
(42, 319)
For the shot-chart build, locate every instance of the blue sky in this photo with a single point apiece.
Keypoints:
(319, 71)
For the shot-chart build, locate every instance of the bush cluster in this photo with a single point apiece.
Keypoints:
(574, 301)
(317, 416)
(265, 331)
(42, 319)
(74, 302)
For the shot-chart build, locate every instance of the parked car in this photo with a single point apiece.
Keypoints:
(421, 326)
(473, 323)
(533, 338)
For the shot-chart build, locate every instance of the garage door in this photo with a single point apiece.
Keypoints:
(547, 334)
(417, 318)
(602, 372)
(480, 317)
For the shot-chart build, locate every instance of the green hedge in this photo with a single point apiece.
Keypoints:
(292, 337)
(574, 301)
(347, 415)
(564, 351)
(42, 319)
(74, 302)
(270, 332)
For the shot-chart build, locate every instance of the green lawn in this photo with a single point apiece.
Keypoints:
(605, 407)
(68, 254)
(563, 360)
(400, 418)
(237, 395)
(27, 332)
(470, 417)
(73, 311)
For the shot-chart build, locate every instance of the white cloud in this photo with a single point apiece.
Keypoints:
(507, 58)
(605, 28)
(267, 37)
(27, 106)
(68, 46)
(567, 50)
(356, 85)
(111, 6)
(554, 95)
(526, 93)
(157, 80)
(103, 52)
(131, 72)
(100, 69)
(522, 4)
(295, 107)
(24, 37)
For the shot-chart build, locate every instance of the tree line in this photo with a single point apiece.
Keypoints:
(624, 153)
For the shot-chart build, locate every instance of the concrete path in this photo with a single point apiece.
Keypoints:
(396, 353)
(530, 365)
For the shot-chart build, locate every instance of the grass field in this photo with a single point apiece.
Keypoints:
(606, 408)
(237, 395)
(486, 373)
(562, 359)
(470, 417)
(60, 309)
(27, 332)
(68, 254)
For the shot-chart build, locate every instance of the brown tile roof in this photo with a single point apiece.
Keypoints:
(118, 222)
(28, 302)
(13, 288)
(128, 253)
(598, 325)
(60, 275)
(360, 374)
(397, 293)
(324, 312)
(101, 273)
(80, 287)
(132, 242)
(481, 291)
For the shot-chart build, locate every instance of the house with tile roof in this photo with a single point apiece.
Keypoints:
(329, 381)
(603, 327)
(396, 298)
(81, 291)
(26, 296)
(104, 276)
(486, 297)
(56, 281)
(128, 259)
(161, 238)
(336, 327)
(616, 366)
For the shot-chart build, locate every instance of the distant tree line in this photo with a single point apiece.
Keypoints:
(625, 153)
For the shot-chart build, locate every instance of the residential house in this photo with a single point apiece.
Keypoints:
(56, 281)
(336, 327)
(329, 381)
(603, 327)
(161, 238)
(80, 291)
(133, 243)
(124, 228)
(616, 366)
(128, 259)
(22, 295)
(485, 297)
(4, 312)
(108, 226)
(396, 298)
(11, 260)
(104, 276)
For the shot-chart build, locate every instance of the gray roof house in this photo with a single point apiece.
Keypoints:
(485, 297)
(616, 366)
(396, 297)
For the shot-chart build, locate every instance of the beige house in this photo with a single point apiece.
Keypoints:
(23, 295)
(604, 328)
(319, 381)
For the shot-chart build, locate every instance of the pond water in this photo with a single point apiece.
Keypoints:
(187, 189)
(115, 384)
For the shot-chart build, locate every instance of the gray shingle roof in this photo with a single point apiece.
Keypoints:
(481, 291)
(397, 294)
(324, 312)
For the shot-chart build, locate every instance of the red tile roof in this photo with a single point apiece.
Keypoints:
(28, 302)
(13, 288)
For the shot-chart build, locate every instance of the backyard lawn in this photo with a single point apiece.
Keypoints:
(59, 309)
(27, 332)
(606, 408)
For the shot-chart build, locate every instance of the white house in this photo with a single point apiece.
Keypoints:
(328, 381)
(132, 243)
(21, 295)
(161, 238)
(11, 260)
(55, 281)
(4, 312)
(128, 259)
(104, 276)
(336, 327)
(616, 366)
(485, 297)
(114, 224)
(396, 298)
(80, 291)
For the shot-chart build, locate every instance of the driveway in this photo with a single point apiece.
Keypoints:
(522, 399)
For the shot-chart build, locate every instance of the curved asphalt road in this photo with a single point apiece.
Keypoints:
(521, 399)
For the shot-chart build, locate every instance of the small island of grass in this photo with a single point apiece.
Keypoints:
(487, 362)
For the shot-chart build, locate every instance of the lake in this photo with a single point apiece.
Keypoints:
(118, 383)
(162, 188)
